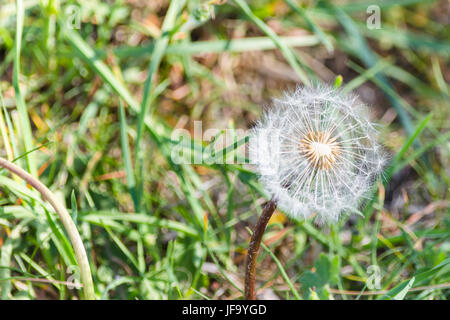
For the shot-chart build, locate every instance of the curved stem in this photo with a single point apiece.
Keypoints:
(252, 252)
(66, 219)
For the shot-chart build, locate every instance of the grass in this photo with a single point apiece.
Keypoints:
(91, 113)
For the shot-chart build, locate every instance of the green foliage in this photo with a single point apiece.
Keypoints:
(91, 112)
(326, 273)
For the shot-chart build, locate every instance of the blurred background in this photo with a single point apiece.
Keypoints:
(92, 90)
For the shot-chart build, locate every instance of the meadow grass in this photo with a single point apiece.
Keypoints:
(89, 110)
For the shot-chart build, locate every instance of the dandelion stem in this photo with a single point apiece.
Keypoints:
(253, 248)
(69, 225)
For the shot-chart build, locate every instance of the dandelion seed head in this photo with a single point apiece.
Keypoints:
(316, 152)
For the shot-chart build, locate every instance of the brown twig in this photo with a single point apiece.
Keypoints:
(252, 252)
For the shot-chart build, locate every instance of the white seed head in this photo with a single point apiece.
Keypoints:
(316, 152)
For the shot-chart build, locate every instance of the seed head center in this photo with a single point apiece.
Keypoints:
(321, 149)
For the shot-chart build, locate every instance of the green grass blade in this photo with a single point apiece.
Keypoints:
(131, 183)
(61, 241)
(157, 55)
(21, 107)
(312, 25)
(100, 216)
(359, 47)
(422, 276)
(216, 46)
(285, 50)
(389, 171)
(283, 272)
